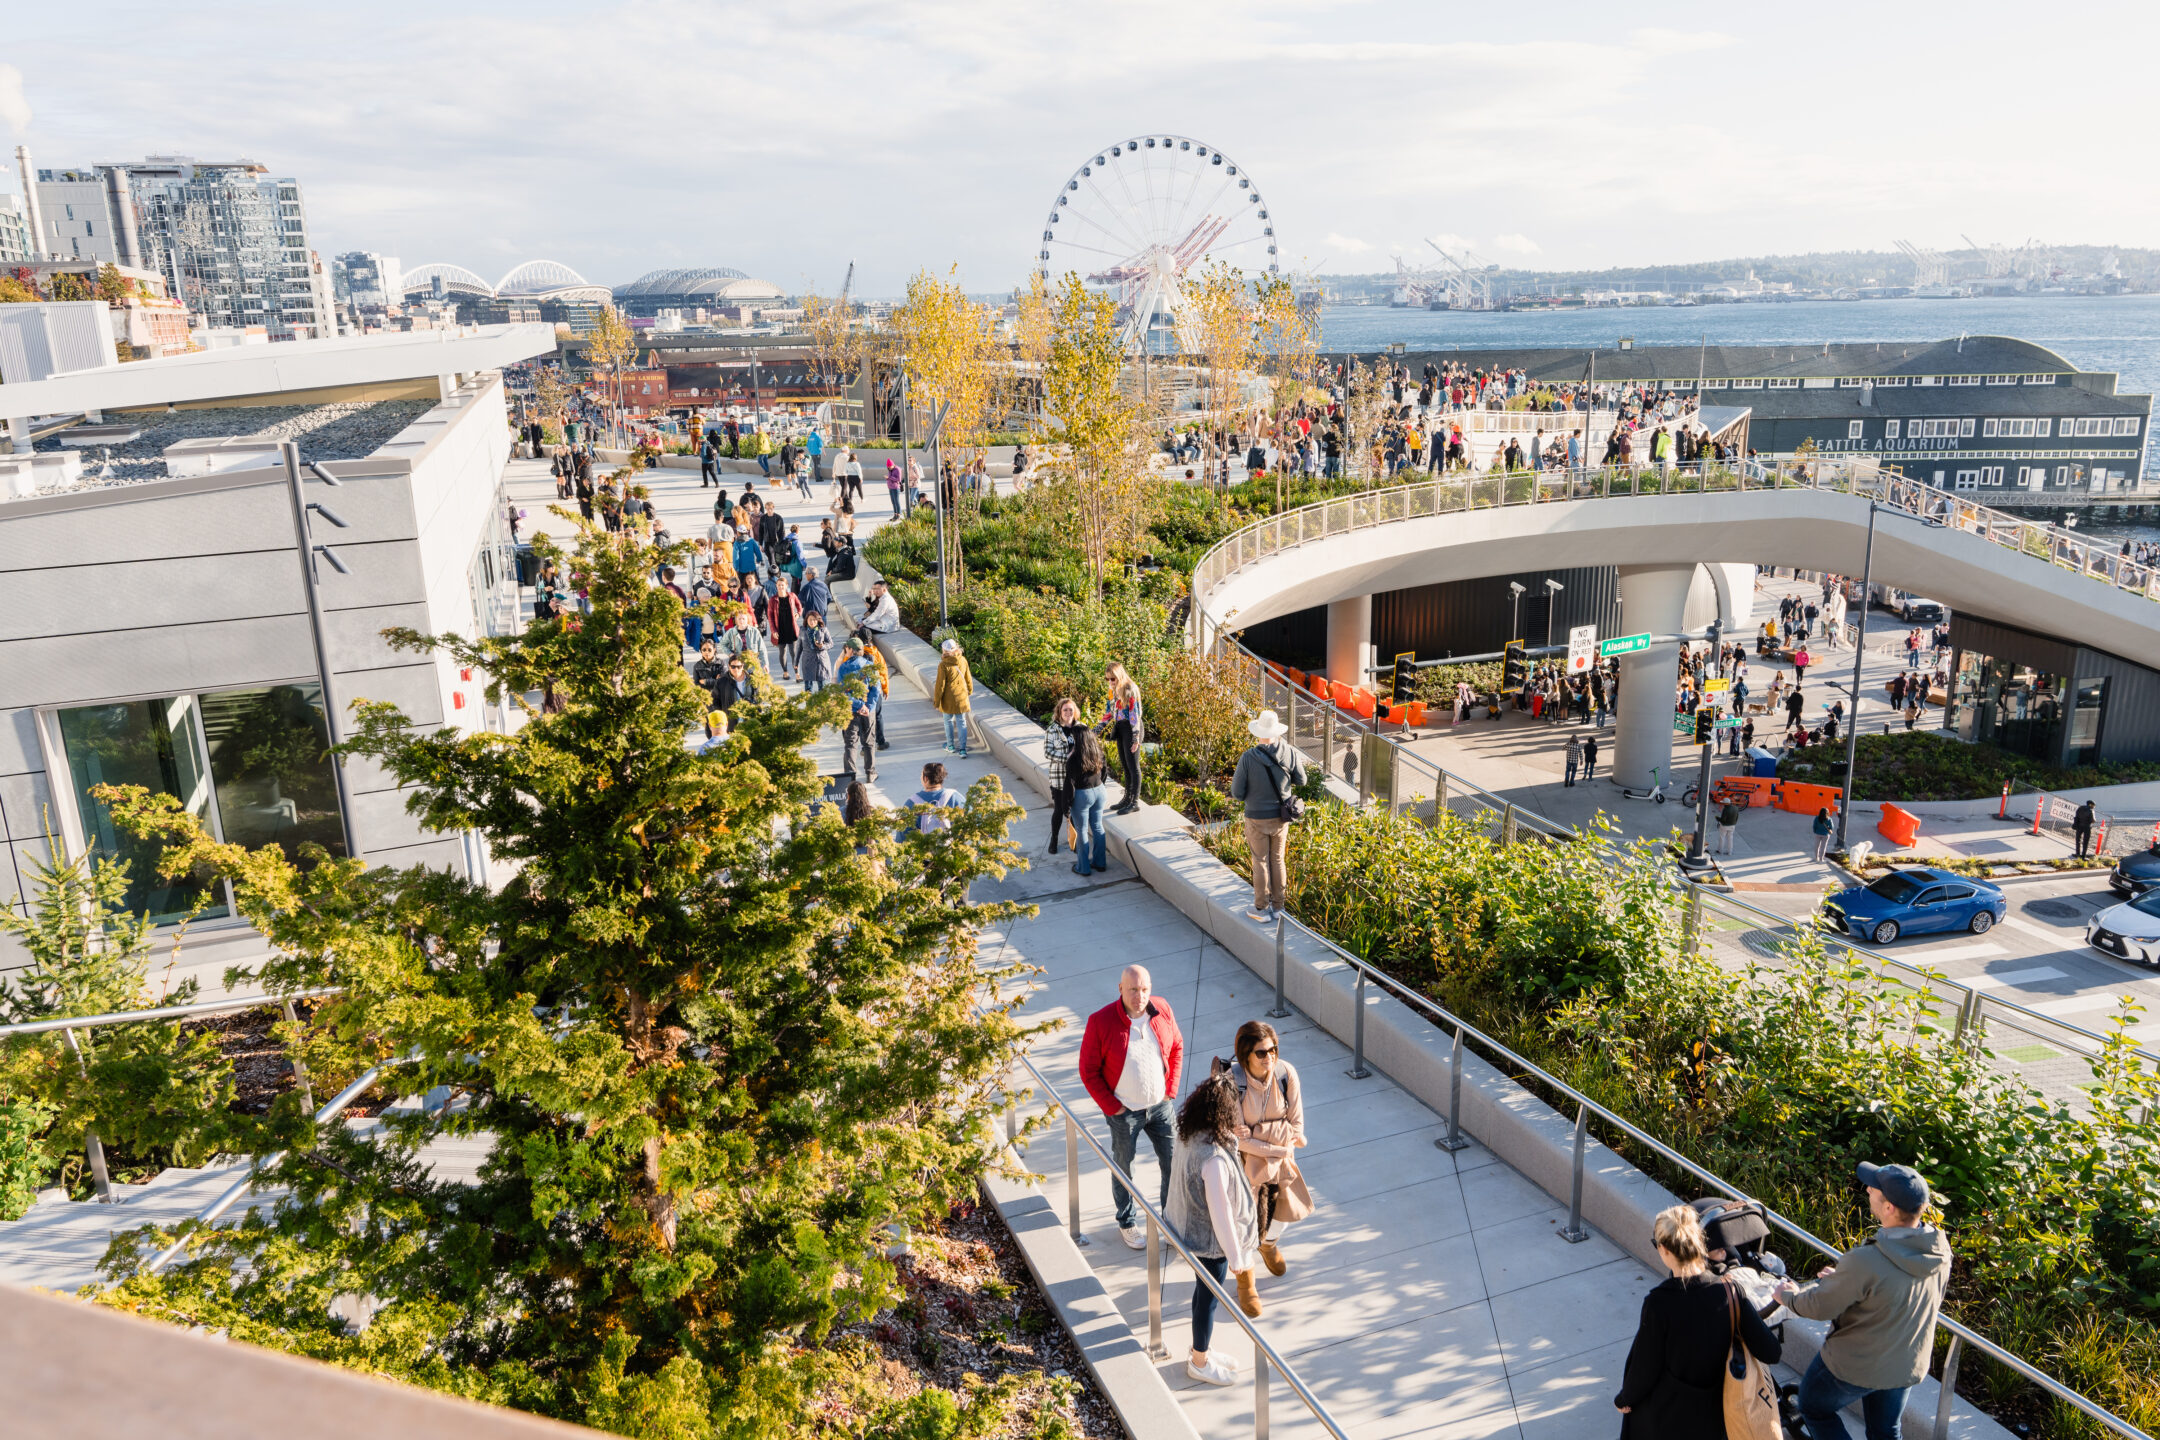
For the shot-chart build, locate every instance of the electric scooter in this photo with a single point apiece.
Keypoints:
(1656, 792)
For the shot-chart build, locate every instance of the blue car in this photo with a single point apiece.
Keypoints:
(1914, 902)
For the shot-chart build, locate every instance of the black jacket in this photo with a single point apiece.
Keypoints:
(1674, 1384)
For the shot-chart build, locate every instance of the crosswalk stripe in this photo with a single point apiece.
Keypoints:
(2011, 977)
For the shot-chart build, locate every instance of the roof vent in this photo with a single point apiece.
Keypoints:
(1867, 394)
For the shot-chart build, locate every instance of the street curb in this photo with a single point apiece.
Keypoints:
(1112, 1352)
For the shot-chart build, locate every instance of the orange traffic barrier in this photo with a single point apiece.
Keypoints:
(1807, 799)
(1339, 693)
(1746, 791)
(1900, 827)
(1362, 702)
(1417, 712)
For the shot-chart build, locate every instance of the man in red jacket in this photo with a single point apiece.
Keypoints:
(1130, 1056)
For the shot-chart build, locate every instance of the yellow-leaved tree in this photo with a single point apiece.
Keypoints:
(608, 347)
(1091, 414)
(947, 344)
(1288, 338)
(1221, 324)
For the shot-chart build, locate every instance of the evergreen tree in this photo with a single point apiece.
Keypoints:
(721, 1040)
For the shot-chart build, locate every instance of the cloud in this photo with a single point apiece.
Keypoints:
(14, 106)
(1516, 244)
(1454, 244)
(1347, 244)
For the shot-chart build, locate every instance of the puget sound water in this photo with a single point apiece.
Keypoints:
(2119, 333)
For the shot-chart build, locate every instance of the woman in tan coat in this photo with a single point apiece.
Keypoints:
(953, 695)
(1270, 1131)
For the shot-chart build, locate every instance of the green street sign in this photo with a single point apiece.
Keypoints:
(1683, 724)
(1728, 722)
(1623, 645)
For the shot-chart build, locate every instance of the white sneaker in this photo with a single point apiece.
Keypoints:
(1212, 1373)
(1135, 1237)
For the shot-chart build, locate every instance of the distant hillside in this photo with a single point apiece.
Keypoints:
(1849, 268)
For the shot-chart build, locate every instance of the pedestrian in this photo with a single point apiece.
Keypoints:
(1673, 1385)
(1728, 820)
(1122, 714)
(814, 447)
(744, 553)
(1800, 661)
(1589, 756)
(938, 795)
(1059, 738)
(815, 661)
(1266, 779)
(2081, 825)
(1085, 770)
(1823, 831)
(1212, 1207)
(1131, 1055)
(1881, 1299)
(784, 625)
(1574, 757)
(1795, 703)
(892, 486)
(862, 712)
(1912, 709)
(881, 616)
(1270, 1132)
(953, 696)
(733, 687)
(843, 506)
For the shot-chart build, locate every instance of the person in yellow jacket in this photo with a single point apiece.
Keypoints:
(884, 684)
(953, 695)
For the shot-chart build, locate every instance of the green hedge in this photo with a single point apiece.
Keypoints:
(1779, 1078)
(1920, 765)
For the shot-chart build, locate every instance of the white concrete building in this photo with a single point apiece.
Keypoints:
(157, 627)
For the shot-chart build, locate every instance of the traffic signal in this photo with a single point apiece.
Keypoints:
(1705, 724)
(1514, 667)
(1405, 689)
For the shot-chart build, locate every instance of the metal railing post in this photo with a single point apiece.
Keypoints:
(1364, 767)
(1012, 1113)
(1439, 795)
(1290, 719)
(1072, 1177)
(1155, 1346)
(1259, 1394)
(1454, 1139)
(1394, 777)
(300, 1075)
(1282, 1007)
(1357, 1070)
(1575, 1234)
(1693, 920)
(1951, 1357)
(1327, 740)
(91, 1144)
(1507, 825)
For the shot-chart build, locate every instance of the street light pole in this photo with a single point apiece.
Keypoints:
(1552, 602)
(1852, 726)
(1515, 624)
(308, 577)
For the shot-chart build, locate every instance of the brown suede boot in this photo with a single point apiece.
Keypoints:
(1248, 1298)
(1272, 1257)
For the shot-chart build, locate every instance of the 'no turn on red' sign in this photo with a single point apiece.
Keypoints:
(1581, 649)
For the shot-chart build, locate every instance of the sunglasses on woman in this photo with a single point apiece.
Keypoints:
(1263, 1050)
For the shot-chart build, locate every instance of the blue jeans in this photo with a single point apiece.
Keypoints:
(1159, 1123)
(1572, 765)
(1822, 1395)
(1203, 1301)
(1087, 818)
(956, 732)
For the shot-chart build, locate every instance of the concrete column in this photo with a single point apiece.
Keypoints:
(1653, 599)
(1349, 640)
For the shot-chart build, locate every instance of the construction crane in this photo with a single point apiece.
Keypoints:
(1416, 287)
(1466, 289)
(1930, 270)
(1999, 261)
(845, 286)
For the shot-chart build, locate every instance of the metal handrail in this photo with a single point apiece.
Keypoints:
(164, 1012)
(1159, 1229)
(1961, 1335)
(1363, 509)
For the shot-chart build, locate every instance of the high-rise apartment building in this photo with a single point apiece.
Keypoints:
(14, 231)
(230, 238)
(367, 283)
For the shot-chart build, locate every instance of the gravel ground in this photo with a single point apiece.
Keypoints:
(325, 432)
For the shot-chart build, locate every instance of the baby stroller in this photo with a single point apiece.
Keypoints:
(1736, 1231)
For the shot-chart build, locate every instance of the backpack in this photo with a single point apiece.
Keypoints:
(1293, 805)
(932, 822)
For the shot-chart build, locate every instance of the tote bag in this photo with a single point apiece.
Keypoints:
(1751, 1411)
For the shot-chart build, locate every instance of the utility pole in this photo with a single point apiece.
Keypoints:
(309, 579)
(1859, 652)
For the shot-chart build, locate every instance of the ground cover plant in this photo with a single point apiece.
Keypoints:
(1917, 765)
(1780, 1078)
(726, 1046)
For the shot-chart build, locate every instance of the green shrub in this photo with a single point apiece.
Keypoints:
(1924, 765)
(23, 1165)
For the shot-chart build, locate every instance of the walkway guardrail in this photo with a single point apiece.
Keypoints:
(1460, 493)
(1961, 1336)
(93, 1147)
(1158, 1230)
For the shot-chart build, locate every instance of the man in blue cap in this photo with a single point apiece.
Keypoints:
(1881, 1299)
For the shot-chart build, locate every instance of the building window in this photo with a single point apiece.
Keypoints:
(2040, 426)
(1713, 384)
(1792, 383)
(1967, 479)
(2002, 379)
(1987, 428)
(2126, 425)
(1747, 384)
(1890, 429)
(1852, 429)
(253, 765)
(1991, 475)
(2039, 379)
(1965, 429)
(1964, 379)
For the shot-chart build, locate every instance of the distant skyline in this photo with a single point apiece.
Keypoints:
(788, 139)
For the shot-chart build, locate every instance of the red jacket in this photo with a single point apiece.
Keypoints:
(1102, 1050)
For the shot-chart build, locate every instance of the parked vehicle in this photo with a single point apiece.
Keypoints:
(2135, 874)
(1915, 901)
(2130, 931)
(1917, 610)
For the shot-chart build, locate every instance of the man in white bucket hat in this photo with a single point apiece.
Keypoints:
(1267, 774)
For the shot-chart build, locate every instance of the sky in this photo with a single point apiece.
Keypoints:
(788, 139)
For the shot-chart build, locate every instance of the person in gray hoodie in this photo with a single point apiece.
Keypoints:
(1881, 1299)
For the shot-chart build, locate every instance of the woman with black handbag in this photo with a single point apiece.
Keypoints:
(1266, 780)
(1695, 1329)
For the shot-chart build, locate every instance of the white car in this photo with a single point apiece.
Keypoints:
(2129, 931)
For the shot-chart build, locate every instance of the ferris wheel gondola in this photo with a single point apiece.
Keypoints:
(1141, 216)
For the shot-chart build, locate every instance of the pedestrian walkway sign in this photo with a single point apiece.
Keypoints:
(1581, 648)
(1624, 645)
